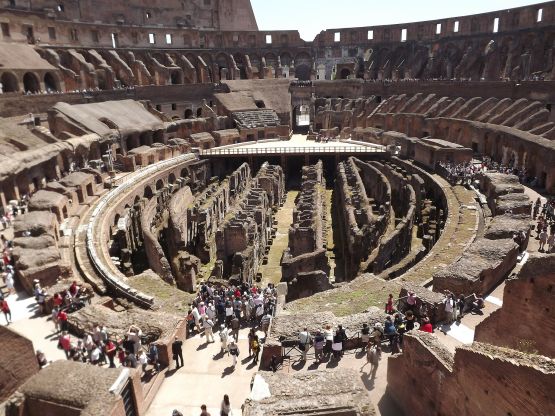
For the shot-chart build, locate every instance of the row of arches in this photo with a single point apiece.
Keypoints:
(31, 82)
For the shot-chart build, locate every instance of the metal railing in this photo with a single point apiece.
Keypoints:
(291, 150)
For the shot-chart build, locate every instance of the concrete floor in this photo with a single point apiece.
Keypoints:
(204, 379)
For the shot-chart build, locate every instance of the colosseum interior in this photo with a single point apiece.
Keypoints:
(155, 155)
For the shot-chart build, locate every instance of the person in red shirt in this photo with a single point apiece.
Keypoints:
(57, 300)
(62, 319)
(121, 356)
(427, 326)
(110, 350)
(6, 310)
(73, 288)
(65, 343)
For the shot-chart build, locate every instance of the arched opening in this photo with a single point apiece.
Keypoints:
(184, 173)
(102, 81)
(51, 83)
(199, 112)
(301, 118)
(31, 82)
(345, 73)
(302, 72)
(9, 82)
(188, 113)
(171, 178)
(148, 192)
(176, 78)
(159, 184)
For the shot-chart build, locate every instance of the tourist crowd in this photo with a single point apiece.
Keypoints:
(544, 214)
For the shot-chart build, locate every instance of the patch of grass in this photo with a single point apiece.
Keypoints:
(169, 298)
(354, 297)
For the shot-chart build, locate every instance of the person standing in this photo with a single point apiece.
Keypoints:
(110, 351)
(153, 356)
(6, 310)
(252, 334)
(224, 335)
(543, 238)
(373, 356)
(62, 320)
(235, 325)
(177, 351)
(551, 243)
(341, 336)
(65, 343)
(233, 350)
(448, 307)
(255, 348)
(208, 324)
(9, 280)
(203, 411)
(364, 336)
(319, 342)
(304, 342)
(225, 409)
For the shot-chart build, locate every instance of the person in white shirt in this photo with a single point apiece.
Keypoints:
(207, 325)
(304, 342)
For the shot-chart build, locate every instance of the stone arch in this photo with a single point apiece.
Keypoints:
(302, 72)
(176, 77)
(303, 58)
(171, 178)
(51, 82)
(271, 59)
(31, 82)
(199, 112)
(345, 73)
(148, 192)
(9, 82)
(286, 58)
(159, 184)
(188, 113)
(207, 59)
(185, 173)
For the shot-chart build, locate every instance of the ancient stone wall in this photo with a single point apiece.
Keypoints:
(422, 354)
(17, 361)
(397, 242)
(489, 259)
(488, 379)
(363, 197)
(327, 392)
(497, 127)
(243, 239)
(306, 253)
(473, 381)
(527, 298)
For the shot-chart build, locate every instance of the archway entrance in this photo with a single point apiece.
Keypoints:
(31, 82)
(9, 82)
(301, 118)
(345, 73)
(51, 83)
(302, 72)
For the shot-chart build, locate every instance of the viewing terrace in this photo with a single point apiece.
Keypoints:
(297, 145)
